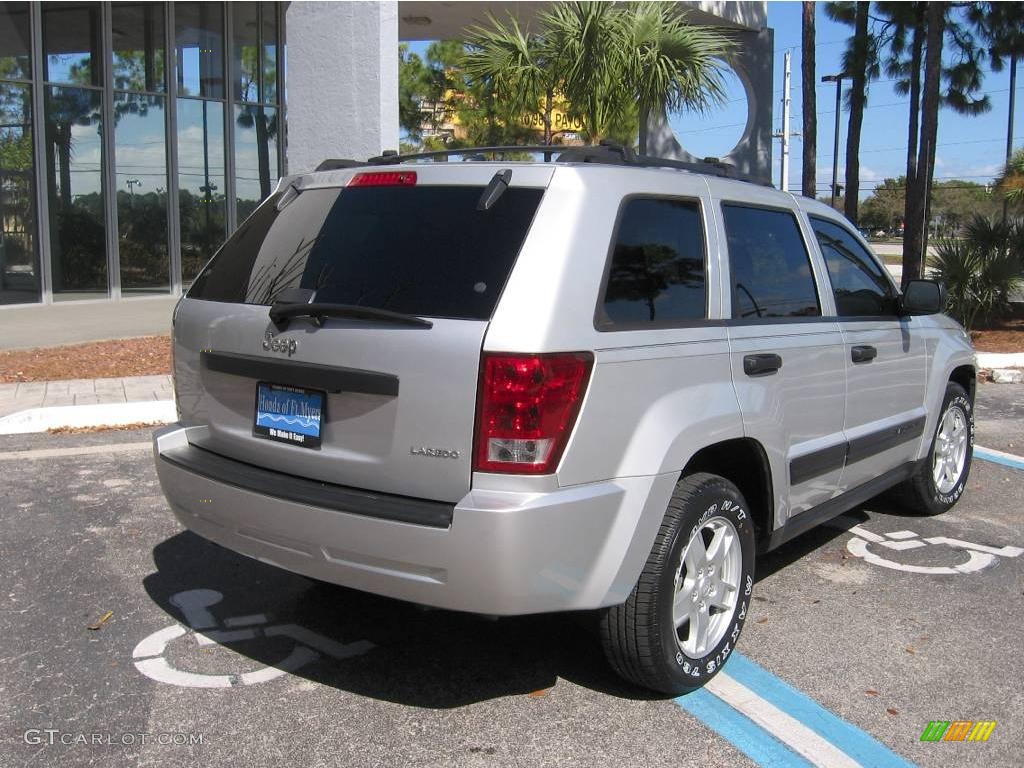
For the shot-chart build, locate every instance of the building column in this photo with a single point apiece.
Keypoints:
(342, 81)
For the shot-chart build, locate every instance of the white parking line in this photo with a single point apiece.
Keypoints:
(786, 729)
(82, 450)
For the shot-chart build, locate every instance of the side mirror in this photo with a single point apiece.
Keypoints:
(922, 297)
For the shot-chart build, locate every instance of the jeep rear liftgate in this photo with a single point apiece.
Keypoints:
(337, 335)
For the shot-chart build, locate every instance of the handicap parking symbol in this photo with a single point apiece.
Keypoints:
(150, 659)
(979, 556)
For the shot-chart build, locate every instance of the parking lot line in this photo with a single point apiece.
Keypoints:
(750, 705)
(999, 457)
(736, 728)
(81, 450)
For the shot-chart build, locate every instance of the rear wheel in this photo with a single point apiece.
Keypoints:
(939, 481)
(686, 612)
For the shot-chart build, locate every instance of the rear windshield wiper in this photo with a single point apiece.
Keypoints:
(281, 313)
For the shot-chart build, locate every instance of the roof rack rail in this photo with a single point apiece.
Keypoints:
(337, 163)
(607, 153)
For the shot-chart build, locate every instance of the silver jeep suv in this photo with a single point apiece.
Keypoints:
(602, 382)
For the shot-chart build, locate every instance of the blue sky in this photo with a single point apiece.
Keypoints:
(969, 148)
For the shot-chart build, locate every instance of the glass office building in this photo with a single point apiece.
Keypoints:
(133, 138)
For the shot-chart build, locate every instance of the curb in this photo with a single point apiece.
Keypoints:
(994, 360)
(96, 415)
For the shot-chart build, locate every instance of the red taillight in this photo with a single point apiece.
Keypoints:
(526, 409)
(384, 179)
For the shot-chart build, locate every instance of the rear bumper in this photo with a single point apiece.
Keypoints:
(504, 553)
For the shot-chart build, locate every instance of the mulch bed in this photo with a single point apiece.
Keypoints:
(145, 356)
(1003, 336)
(105, 428)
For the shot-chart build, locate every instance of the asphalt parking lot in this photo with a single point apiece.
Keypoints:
(865, 630)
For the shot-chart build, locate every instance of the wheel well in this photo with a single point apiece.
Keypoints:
(965, 377)
(743, 462)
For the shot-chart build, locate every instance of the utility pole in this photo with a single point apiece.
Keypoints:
(785, 134)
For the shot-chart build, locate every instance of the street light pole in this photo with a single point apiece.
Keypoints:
(838, 80)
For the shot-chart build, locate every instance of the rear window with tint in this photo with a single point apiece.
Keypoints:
(657, 270)
(418, 250)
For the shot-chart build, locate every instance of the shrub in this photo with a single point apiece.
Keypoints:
(982, 270)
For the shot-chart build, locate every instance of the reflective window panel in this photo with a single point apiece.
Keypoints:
(74, 158)
(255, 51)
(15, 47)
(72, 43)
(270, 34)
(256, 169)
(19, 257)
(200, 182)
(137, 31)
(199, 38)
(141, 164)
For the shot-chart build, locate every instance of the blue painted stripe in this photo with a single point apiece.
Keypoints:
(858, 744)
(744, 734)
(1006, 461)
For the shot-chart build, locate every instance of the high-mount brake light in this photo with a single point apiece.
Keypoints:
(384, 179)
(527, 406)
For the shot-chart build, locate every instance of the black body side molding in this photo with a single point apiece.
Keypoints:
(266, 482)
(804, 521)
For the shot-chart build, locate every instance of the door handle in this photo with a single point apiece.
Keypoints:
(761, 365)
(863, 354)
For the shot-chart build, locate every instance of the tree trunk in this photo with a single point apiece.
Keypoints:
(644, 113)
(809, 177)
(916, 54)
(262, 152)
(64, 159)
(549, 98)
(858, 95)
(917, 202)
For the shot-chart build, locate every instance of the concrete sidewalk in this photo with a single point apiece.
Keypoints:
(75, 322)
(41, 394)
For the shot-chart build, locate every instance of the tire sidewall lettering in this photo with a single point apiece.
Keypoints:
(964, 404)
(704, 667)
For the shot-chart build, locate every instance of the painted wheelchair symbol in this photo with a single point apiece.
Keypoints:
(979, 556)
(195, 604)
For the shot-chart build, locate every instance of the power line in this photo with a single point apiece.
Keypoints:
(832, 111)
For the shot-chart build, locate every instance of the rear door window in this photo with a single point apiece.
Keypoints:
(423, 250)
(860, 288)
(657, 274)
(768, 261)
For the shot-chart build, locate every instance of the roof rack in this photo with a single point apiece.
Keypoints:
(606, 153)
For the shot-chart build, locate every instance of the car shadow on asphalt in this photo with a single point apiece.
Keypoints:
(424, 658)
(420, 657)
(769, 563)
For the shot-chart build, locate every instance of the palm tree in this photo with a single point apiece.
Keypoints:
(605, 60)
(907, 19)
(957, 84)
(671, 64)
(1011, 181)
(808, 84)
(526, 69)
(590, 36)
(860, 61)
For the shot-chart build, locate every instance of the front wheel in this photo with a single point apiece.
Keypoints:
(682, 619)
(939, 481)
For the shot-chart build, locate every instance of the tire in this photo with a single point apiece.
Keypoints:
(640, 637)
(922, 492)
